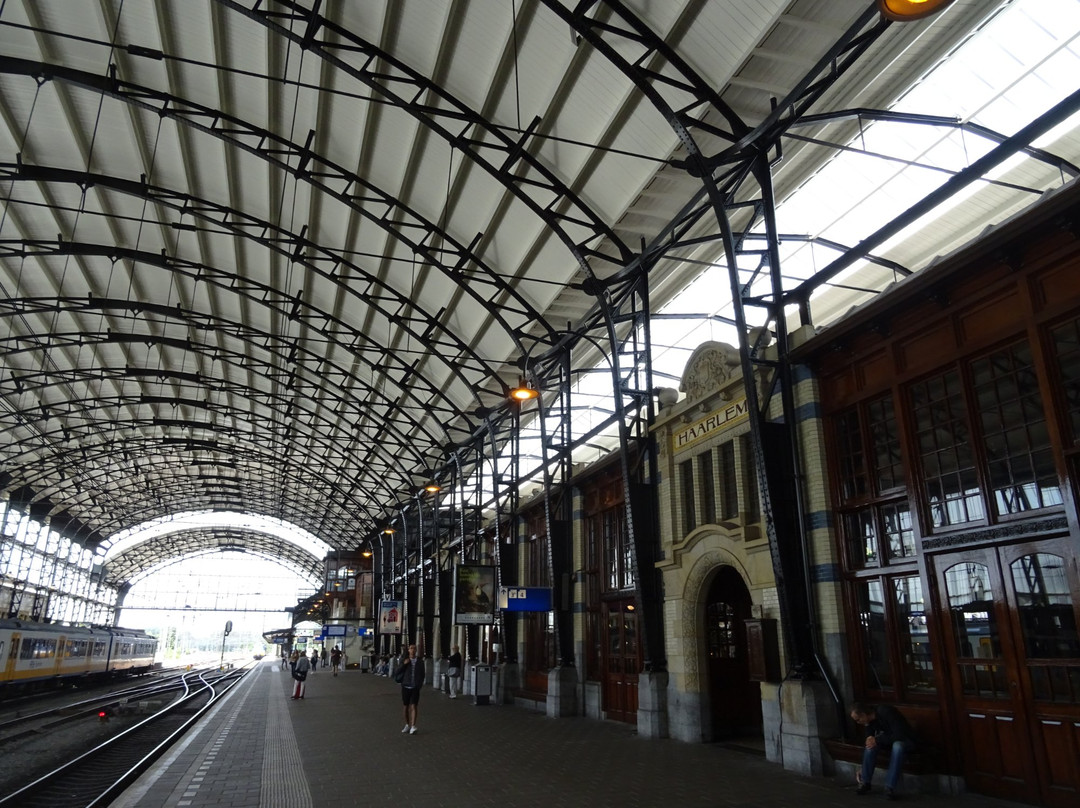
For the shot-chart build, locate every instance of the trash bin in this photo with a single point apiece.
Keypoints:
(481, 684)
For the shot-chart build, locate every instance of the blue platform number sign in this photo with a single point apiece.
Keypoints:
(525, 598)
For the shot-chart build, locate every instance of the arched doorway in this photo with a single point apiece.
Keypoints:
(735, 700)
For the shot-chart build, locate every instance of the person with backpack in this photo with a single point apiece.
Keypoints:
(300, 674)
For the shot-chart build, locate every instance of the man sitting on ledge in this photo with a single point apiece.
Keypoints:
(886, 729)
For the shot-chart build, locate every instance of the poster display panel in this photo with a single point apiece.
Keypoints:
(474, 590)
(390, 617)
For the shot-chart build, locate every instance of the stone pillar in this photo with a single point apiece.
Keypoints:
(771, 721)
(652, 717)
(809, 716)
(509, 680)
(562, 692)
(438, 668)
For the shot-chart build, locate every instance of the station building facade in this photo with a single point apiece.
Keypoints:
(939, 440)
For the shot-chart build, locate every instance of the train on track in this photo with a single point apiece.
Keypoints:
(38, 653)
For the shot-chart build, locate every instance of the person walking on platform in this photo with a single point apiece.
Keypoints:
(453, 672)
(411, 676)
(314, 660)
(335, 659)
(300, 672)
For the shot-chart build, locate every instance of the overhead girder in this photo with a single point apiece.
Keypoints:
(26, 383)
(286, 404)
(266, 553)
(251, 457)
(862, 114)
(335, 329)
(121, 568)
(185, 204)
(299, 161)
(745, 160)
(556, 204)
(325, 497)
(213, 122)
(1007, 147)
(51, 475)
(24, 248)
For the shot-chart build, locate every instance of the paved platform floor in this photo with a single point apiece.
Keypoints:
(342, 746)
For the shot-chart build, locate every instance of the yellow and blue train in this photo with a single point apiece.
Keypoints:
(35, 653)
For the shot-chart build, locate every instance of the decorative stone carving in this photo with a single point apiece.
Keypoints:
(1050, 526)
(713, 365)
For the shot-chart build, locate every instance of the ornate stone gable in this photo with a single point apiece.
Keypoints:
(712, 367)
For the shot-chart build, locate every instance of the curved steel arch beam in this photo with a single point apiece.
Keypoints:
(292, 246)
(214, 353)
(129, 448)
(437, 117)
(298, 161)
(686, 80)
(79, 451)
(231, 282)
(748, 158)
(138, 575)
(422, 462)
(194, 270)
(46, 472)
(176, 545)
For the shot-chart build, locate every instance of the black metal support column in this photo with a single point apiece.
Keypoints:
(554, 422)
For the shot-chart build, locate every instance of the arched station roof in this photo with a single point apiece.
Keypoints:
(288, 258)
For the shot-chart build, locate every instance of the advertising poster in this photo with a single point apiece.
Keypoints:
(474, 595)
(390, 617)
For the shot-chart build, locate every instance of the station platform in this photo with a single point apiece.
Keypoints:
(343, 746)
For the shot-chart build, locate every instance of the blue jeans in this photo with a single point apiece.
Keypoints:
(896, 763)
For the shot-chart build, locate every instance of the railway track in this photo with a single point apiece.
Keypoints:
(95, 777)
(30, 719)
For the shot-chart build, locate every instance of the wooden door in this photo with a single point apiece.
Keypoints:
(1013, 667)
(621, 661)
(735, 700)
(1043, 588)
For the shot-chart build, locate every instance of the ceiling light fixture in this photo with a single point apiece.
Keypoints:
(523, 392)
(905, 10)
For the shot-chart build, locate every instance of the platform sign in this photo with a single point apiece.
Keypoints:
(334, 630)
(365, 631)
(525, 598)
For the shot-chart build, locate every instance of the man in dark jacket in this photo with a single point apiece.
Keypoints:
(412, 679)
(886, 729)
